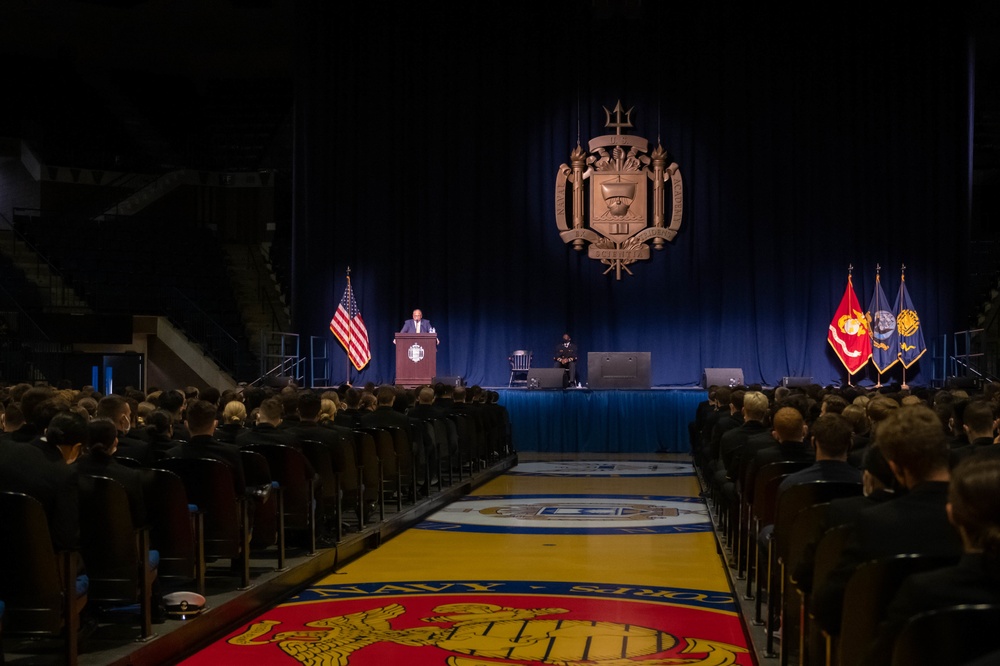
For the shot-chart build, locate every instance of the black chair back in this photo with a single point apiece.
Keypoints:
(116, 551)
(869, 590)
(955, 635)
(175, 529)
(37, 584)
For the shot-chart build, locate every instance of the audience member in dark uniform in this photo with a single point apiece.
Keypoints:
(25, 469)
(831, 440)
(385, 415)
(916, 447)
(789, 430)
(160, 434)
(11, 420)
(878, 485)
(266, 430)
(978, 422)
(201, 422)
(116, 409)
(174, 402)
(31, 398)
(234, 416)
(350, 415)
(99, 460)
(974, 510)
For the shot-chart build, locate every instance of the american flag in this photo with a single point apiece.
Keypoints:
(348, 327)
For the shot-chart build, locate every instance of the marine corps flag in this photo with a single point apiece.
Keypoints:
(882, 324)
(911, 337)
(848, 334)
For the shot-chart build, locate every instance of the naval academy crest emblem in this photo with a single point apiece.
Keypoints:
(631, 193)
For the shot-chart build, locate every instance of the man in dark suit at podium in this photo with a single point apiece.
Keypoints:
(418, 325)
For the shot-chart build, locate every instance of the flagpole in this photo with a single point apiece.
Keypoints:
(878, 371)
(902, 279)
(850, 267)
(350, 333)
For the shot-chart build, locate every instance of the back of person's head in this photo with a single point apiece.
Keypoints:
(253, 396)
(833, 404)
(270, 411)
(102, 436)
(309, 405)
(878, 474)
(161, 422)
(736, 400)
(857, 416)
(234, 412)
(211, 394)
(368, 401)
(426, 396)
(68, 431)
(46, 409)
(352, 398)
(32, 397)
(755, 406)
(386, 396)
(788, 425)
(327, 410)
(172, 401)
(142, 412)
(781, 392)
(912, 439)
(201, 417)
(974, 505)
(831, 435)
(978, 418)
(89, 404)
(289, 402)
(111, 407)
(459, 394)
(879, 408)
(191, 393)
(13, 418)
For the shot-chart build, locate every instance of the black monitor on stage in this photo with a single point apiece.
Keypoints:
(621, 370)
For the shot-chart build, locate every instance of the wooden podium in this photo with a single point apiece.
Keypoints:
(416, 358)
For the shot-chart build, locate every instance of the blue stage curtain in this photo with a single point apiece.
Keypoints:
(426, 159)
(618, 421)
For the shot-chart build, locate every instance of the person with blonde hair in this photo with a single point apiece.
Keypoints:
(232, 423)
(327, 411)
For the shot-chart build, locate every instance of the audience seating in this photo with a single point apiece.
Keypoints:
(211, 485)
(176, 529)
(814, 649)
(266, 504)
(295, 476)
(115, 551)
(37, 584)
(954, 635)
(329, 493)
(869, 591)
(790, 503)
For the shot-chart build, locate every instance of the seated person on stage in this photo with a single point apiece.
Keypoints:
(565, 357)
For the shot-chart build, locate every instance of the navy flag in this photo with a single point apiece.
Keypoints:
(882, 325)
(911, 337)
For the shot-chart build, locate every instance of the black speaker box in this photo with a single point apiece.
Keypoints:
(547, 378)
(453, 381)
(722, 377)
(793, 382)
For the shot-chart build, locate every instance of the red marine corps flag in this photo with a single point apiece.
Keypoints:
(848, 334)
(349, 328)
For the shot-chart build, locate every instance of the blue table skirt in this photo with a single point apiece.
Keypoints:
(610, 421)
